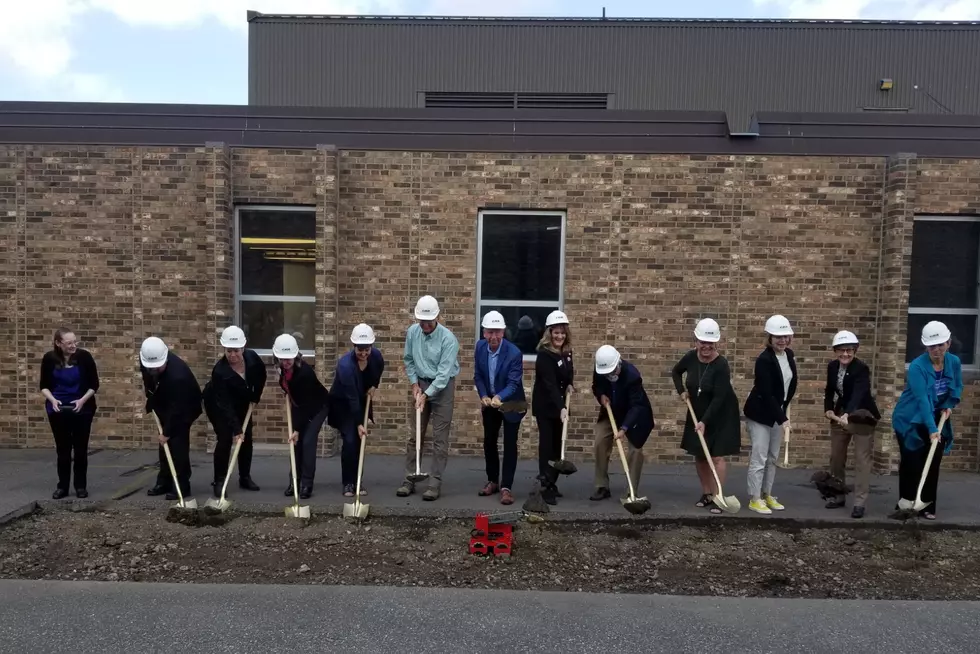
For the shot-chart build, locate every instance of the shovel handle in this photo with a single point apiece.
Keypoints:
(786, 431)
(704, 446)
(932, 453)
(360, 459)
(564, 427)
(234, 455)
(292, 452)
(622, 453)
(170, 460)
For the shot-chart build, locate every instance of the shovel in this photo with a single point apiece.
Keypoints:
(222, 503)
(562, 465)
(635, 505)
(728, 504)
(295, 510)
(785, 464)
(358, 509)
(904, 513)
(182, 503)
(419, 475)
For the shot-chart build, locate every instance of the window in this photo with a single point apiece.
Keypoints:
(945, 282)
(520, 271)
(276, 280)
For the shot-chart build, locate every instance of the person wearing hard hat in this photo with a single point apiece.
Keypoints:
(432, 364)
(237, 381)
(619, 385)
(174, 395)
(850, 406)
(355, 379)
(309, 403)
(69, 381)
(765, 409)
(498, 374)
(933, 388)
(554, 374)
(704, 377)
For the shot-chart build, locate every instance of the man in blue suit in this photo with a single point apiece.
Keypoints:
(499, 378)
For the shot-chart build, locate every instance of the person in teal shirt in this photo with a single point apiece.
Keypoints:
(432, 364)
(933, 387)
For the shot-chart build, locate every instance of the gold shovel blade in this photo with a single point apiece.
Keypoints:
(296, 511)
(189, 503)
(356, 510)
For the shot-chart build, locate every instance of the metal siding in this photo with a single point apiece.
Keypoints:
(737, 68)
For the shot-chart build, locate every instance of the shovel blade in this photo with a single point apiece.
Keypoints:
(189, 503)
(296, 511)
(356, 510)
(728, 504)
(418, 476)
(218, 504)
(636, 506)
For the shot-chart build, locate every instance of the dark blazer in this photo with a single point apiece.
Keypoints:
(553, 373)
(509, 380)
(309, 395)
(348, 392)
(857, 389)
(174, 395)
(629, 402)
(87, 369)
(227, 395)
(766, 403)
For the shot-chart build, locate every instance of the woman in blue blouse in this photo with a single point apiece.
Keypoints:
(933, 386)
(69, 381)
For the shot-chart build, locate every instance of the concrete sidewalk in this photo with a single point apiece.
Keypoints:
(28, 476)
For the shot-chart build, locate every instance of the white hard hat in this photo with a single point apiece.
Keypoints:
(232, 336)
(427, 308)
(153, 352)
(556, 318)
(845, 338)
(493, 320)
(707, 330)
(285, 347)
(362, 335)
(935, 333)
(606, 359)
(778, 326)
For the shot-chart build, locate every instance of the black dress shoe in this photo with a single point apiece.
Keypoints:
(600, 494)
(156, 490)
(857, 512)
(247, 484)
(305, 492)
(59, 493)
(81, 493)
(171, 496)
(289, 491)
(548, 495)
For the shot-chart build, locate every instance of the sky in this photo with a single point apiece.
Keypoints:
(195, 51)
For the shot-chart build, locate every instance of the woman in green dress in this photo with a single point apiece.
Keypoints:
(708, 385)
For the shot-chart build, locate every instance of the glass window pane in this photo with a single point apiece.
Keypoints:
(963, 328)
(525, 325)
(278, 252)
(521, 258)
(944, 264)
(264, 321)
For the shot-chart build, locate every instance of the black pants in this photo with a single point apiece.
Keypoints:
(492, 420)
(910, 468)
(222, 455)
(549, 448)
(309, 434)
(180, 451)
(350, 452)
(71, 433)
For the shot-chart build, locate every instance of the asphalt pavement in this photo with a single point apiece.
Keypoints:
(121, 477)
(53, 616)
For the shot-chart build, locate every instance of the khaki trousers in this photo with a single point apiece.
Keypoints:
(439, 408)
(863, 455)
(604, 447)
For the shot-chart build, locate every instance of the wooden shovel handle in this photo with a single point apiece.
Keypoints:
(704, 446)
(932, 452)
(622, 453)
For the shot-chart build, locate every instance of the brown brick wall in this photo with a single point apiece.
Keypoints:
(143, 239)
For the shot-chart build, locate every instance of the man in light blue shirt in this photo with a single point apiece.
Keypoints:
(432, 364)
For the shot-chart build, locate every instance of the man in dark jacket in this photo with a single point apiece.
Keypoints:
(619, 385)
(237, 381)
(173, 394)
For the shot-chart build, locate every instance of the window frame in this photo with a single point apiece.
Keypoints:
(247, 297)
(914, 310)
(562, 215)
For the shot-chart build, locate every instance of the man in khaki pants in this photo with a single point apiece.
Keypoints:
(619, 385)
(432, 364)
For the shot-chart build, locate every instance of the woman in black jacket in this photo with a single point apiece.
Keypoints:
(765, 412)
(553, 375)
(853, 413)
(69, 382)
(309, 404)
(237, 381)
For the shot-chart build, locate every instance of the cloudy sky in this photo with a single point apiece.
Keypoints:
(194, 51)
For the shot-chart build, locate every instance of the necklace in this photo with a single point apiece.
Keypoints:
(702, 373)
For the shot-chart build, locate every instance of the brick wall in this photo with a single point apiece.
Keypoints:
(124, 242)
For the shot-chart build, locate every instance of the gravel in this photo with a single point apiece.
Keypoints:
(722, 558)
